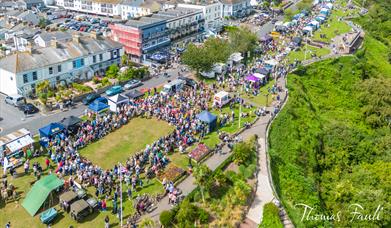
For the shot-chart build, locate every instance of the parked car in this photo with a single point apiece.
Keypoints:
(28, 108)
(132, 84)
(114, 90)
(14, 100)
(90, 98)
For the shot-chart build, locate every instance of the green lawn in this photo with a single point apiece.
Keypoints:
(261, 98)
(129, 139)
(300, 54)
(332, 27)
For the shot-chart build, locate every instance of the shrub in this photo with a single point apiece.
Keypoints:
(95, 80)
(50, 93)
(203, 216)
(166, 218)
(271, 217)
(81, 88)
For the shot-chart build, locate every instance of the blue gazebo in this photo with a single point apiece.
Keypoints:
(208, 118)
(50, 130)
(98, 107)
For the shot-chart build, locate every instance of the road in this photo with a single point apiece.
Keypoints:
(13, 119)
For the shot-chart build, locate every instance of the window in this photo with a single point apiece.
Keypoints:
(35, 75)
(74, 64)
(94, 59)
(100, 57)
(50, 70)
(25, 79)
(81, 62)
(59, 68)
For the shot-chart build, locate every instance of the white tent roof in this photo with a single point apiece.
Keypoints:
(308, 28)
(118, 99)
(272, 62)
(260, 76)
(221, 94)
(20, 143)
(236, 57)
(314, 23)
(13, 136)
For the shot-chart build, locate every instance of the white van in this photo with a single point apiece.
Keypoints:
(173, 87)
(15, 100)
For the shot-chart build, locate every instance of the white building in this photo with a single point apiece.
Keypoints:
(80, 58)
(125, 9)
(182, 21)
(213, 14)
(236, 8)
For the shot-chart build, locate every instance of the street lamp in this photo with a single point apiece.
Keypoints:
(120, 179)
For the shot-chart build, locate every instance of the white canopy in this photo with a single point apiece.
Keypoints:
(116, 100)
(20, 143)
(236, 57)
(260, 76)
(221, 94)
(271, 62)
(13, 136)
(308, 28)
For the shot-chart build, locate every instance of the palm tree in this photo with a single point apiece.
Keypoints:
(201, 174)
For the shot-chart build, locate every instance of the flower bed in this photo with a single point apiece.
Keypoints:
(199, 152)
(172, 173)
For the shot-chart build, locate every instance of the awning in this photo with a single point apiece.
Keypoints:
(20, 143)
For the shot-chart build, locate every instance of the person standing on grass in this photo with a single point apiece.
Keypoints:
(47, 162)
(107, 222)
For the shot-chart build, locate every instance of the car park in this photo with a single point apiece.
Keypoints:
(132, 84)
(28, 108)
(90, 98)
(114, 90)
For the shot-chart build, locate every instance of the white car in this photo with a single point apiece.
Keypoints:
(132, 84)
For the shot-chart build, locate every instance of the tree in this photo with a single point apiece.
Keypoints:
(166, 218)
(186, 214)
(197, 58)
(218, 49)
(43, 23)
(289, 14)
(112, 72)
(43, 86)
(305, 5)
(242, 152)
(147, 223)
(202, 174)
(124, 60)
(271, 216)
(243, 40)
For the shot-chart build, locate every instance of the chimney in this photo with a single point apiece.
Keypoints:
(54, 42)
(76, 38)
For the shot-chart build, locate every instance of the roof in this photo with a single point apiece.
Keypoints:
(32, 1)
(206, 116)
(232, 1)
(79, 205)
(48, 36)
(43, 57)
(70, 121)
(98, 106)
(39, 192)
(118, 98)
(144, 22)
(50, 129)
(29, 16)
(154, 6)
(68, 196)
(134, 94)
(13, 136)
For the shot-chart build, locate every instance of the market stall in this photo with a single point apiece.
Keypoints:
(71, 123)
(208, 118)
(98, 107)
(48, 132)
(221, 98)
(134, 94)
(253, 81)
(117, 100)
(14, 147)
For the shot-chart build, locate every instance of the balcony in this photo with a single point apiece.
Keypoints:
(162, 42)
